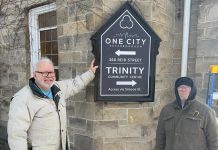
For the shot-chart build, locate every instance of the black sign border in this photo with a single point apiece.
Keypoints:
(155, 43)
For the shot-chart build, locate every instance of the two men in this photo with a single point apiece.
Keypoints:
(186, 124)
(37, 115)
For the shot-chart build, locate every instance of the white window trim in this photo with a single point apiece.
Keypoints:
(34, 32)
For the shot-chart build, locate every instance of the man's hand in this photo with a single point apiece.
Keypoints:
(93, 67)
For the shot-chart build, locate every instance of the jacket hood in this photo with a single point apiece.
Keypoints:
(185, 81)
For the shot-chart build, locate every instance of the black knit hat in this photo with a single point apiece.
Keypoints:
(184, 81)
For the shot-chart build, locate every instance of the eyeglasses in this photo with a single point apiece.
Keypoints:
(46, 74)
(185, 87)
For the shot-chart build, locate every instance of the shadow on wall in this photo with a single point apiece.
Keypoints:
(3, 138)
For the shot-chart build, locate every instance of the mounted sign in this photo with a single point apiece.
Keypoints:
(125, 49)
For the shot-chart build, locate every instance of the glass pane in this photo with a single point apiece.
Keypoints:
(51, 18)
(47, 35)
(43, 49)
(54, 47)
(54, 34)
(48, 47)
(55, 60)
(47, 19)
(41, 21)
(42, 35)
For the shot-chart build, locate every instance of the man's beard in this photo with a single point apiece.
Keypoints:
(43, 84)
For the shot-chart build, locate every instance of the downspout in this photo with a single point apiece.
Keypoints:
(185, 41)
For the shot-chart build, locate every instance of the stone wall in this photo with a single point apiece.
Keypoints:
(207, 40)
(100, 125)
(113, 126)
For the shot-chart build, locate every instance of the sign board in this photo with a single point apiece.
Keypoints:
(125, 52)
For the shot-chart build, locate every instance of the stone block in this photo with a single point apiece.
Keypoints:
(89, 129)
(144, 8)
(130, 131)
(210, 11)
(82, 142)
(90, 21)
(4, 112)
(114, 114)
(69, 57)
(149, 131)
(98, 144)
(70, 108)
(161, 17)
(212, 59)
(15, 88)
(207, 47)
(75, 28)
(162, 31)
(211, 33)
(177, 41)
(163, 83)
(111, 5)
(105, 129)
(66, 43)
(84, 110)
(137, 146)
(114, 146)
(78, 68)
(139, 116)
(84, 7)
(165, 50)
(121, 105)
(72, 1)
(98, 113)
(82, 42)
(122, 122)
(65, 71)
(72, 10)
(192, 40)
(7, 91)
(13, 79)
(166, 66)
(77, 123)
(4, 79)
(60, 30)
(79, 97)
(89, 93)
(100, 19)
(62, 15)
(156, 111)
(191, 68)
(203, 66)
(177, 53)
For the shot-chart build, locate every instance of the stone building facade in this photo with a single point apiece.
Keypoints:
(107, 125)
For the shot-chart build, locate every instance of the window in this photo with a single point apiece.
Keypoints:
(43, 35)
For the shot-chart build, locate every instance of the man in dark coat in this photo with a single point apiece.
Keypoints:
(186, 124)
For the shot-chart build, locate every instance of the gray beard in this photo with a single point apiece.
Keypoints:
(41, 83)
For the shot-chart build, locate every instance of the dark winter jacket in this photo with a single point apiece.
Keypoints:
(192, 127)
